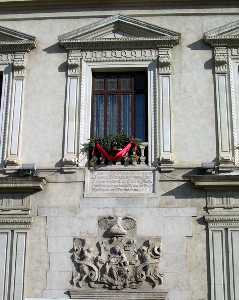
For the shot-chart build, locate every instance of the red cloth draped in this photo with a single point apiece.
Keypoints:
(119, 155)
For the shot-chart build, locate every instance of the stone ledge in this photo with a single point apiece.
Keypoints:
(117, 295)
(215, 181)
(25, 184)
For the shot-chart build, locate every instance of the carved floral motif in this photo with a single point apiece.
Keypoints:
(116, 262)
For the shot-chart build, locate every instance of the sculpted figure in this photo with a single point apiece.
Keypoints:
(86, 270)
(116, 262)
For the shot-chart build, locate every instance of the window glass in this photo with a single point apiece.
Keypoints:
(119, 104)
(1, 81)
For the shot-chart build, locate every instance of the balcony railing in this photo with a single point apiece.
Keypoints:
(140, 158)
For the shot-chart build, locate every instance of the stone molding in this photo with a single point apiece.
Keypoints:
(159, 295)
(115, 32)
(15, 211)
(225, 41)
(127, 43)
(225, 35)
(215, 181)
(25, 184)
(13, 48)
(15, 222)
(222, 220)
(14, 41)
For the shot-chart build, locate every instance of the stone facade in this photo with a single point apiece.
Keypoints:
(164, 228)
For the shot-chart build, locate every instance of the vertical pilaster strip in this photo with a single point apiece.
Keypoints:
(152, 115)
(13, 151)
(70, 156)
(218, 264)
(165, 113)
(233, 244)
(18, 266)
(7, 70)
(5, 244)
(223, 105)
(85, 109)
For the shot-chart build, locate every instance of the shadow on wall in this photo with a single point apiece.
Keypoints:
(200, 45)
(54, 49)
(185, 191)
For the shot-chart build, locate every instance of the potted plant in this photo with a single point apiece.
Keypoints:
(111, 149)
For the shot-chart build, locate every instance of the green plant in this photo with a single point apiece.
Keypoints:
(111, 143)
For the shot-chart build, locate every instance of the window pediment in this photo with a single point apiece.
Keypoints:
(13, 41)
(226, 35)
(116, 31)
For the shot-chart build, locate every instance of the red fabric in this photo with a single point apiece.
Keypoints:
(119, 155)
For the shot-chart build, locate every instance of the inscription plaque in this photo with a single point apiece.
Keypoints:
(115, 181)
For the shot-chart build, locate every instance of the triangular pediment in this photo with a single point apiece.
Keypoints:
(12, 41)
(118, 29)
(225, 35)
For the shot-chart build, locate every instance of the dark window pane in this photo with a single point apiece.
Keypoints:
(125, 84)
(1, 81)
(140, 117)
(112, 84)
(112, 115)
(99, 116)
(99, 84)
(126, 114)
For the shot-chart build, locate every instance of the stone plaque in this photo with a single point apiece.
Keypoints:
(120, 182)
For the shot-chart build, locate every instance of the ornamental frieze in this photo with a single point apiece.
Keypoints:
(125, 54)
(117, 260)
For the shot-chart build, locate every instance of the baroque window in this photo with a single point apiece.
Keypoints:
(225, 43)
(115, 45)
(13, 48)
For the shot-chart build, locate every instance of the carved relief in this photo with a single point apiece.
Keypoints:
(19, 64)
(221, 59)
(119, 55)
(116, 262)
(74, 60)
(164, 60)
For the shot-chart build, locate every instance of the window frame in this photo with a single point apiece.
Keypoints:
(119, 92)
(6, 70)
(88, 49)
(86, 99)
(12, 64)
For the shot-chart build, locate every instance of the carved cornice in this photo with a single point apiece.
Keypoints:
(15, 221)
(222, 220)
(226, 35)
(119, 32)
(14, 41)
(24, 184)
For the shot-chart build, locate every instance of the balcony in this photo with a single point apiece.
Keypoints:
(135, 157)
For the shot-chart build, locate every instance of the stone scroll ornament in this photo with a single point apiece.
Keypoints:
(115, 262)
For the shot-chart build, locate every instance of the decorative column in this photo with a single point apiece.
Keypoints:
(13, 150)
(164, 67)
(224, 122)
(223, 228)
(71, 110)
(15, 221)
(6, 70)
